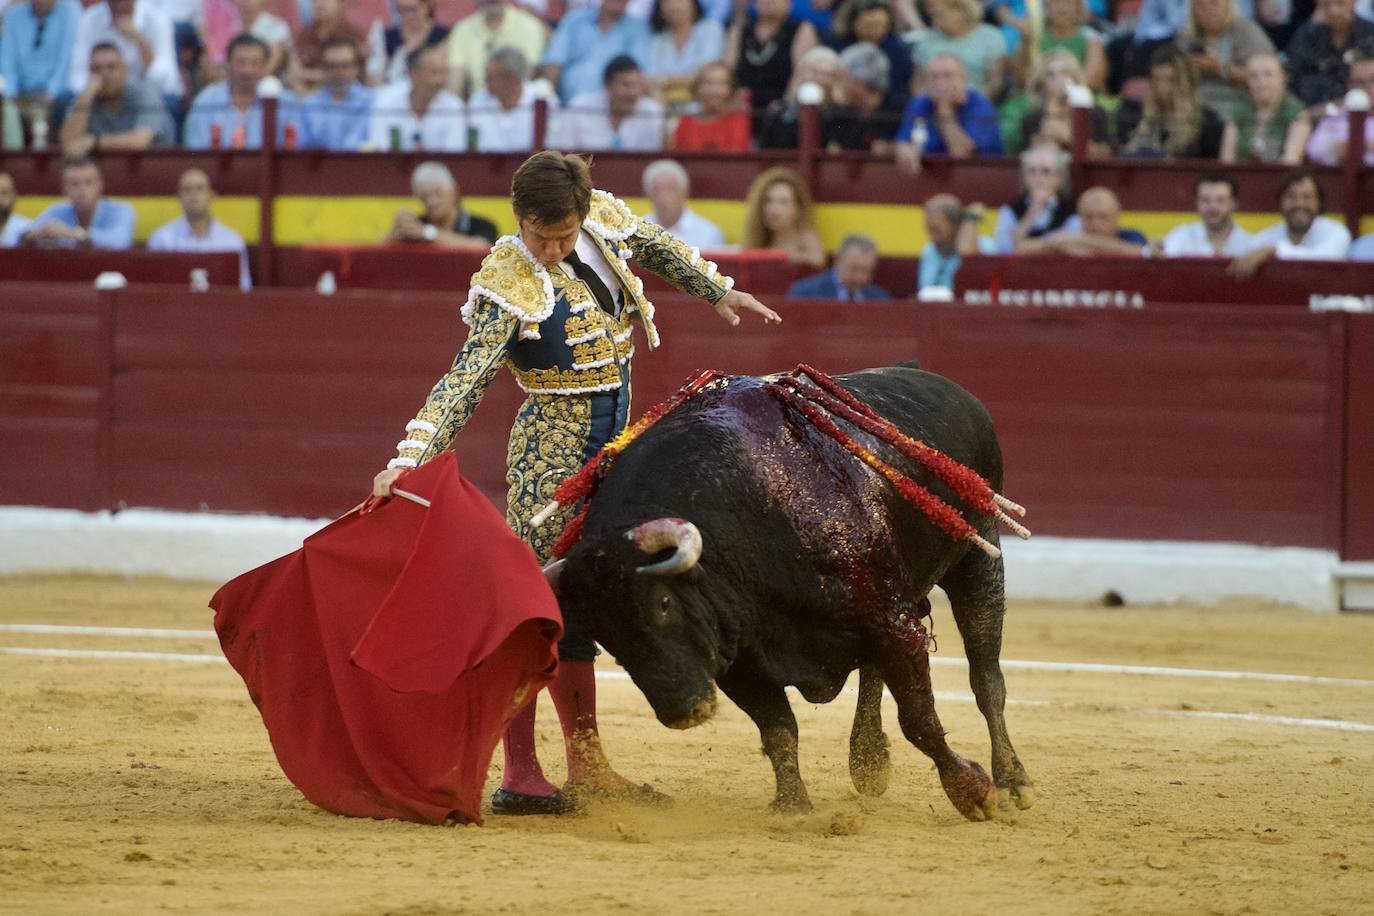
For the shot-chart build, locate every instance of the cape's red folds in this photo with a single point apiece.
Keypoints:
(388, 654)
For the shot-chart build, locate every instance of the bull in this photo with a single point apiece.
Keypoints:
(735, 545)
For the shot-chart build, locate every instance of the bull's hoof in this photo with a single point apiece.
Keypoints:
(870, 766)
(792, 806)
(970, 790)
(1022, 795)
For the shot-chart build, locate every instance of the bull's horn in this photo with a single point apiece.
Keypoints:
(553, 572)
(651, 537)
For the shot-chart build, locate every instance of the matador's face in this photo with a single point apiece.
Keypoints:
(551, 242)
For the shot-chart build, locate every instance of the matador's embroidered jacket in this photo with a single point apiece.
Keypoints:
(565, 351)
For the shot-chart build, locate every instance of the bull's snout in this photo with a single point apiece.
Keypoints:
(700, 712)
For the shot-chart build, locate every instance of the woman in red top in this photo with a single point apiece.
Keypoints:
(718, 124)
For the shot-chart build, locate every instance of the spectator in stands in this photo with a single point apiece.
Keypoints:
(869, 118)
(1098, 231)
(1362, 249)
(1319, 52)
(501, 114)
(338, 116)
(1044, 205)
(1049, 122)
(778, 216)
(444, 220)
(778, 124)
(272, 31)
(420, 114)
(86, 219)
(197, 229)
(850, 280)
(952, 233)
(36, 39)
(228, 114)
(620, 116)
(11, 126)
(1303, 235)
(873, 21)
(1216, 233)
(716, 122)
(12, 225)
(586, 41)
(958, 31)
(764, 49)
(309, 71)
(495, 24)
(1064, 31)
(416, 29)
(141, 32)
(1269, 124)
(1172, 121)
(1332, 133)
(1219, 40)
(115, 112)
(684, 40)
(667, 186)
(949, 119)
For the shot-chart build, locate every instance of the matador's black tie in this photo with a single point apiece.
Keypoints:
(587, 275)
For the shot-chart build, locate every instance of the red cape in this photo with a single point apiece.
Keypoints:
(389, 653)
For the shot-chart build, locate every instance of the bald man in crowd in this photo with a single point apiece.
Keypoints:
(1096, 231)
(197, 229)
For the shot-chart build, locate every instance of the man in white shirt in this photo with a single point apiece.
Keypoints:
(667, 186)
(501, 115)
(1362, 249)
(420, 114)
(12, 225)
(142, 33)
(1217, 234)
(1303, 235)
(197, 229)
(619, 116)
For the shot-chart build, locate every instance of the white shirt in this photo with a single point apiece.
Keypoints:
(182, 10)
(1326, 240)
(1191, 241)
(177, 236)
(13, 230)
(591, 255)
(443, 128)
(502, 131)
(96, 25)
(1362, 249)
(586, 125)
(695, 230)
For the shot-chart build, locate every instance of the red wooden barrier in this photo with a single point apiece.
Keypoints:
(1122, 282)
(45, 265)
(1199, 422)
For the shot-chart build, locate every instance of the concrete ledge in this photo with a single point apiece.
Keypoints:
(213, 547)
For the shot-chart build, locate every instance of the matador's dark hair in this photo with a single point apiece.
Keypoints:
(551, 185)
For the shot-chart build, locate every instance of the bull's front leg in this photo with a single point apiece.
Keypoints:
(905, 666)
(766, 703)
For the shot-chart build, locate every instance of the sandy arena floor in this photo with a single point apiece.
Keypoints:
(142, 785)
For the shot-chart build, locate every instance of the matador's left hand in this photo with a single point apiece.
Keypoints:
(736, 299)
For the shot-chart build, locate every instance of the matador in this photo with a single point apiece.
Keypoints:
(558, 303)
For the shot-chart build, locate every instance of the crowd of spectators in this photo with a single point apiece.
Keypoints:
(1233, 80)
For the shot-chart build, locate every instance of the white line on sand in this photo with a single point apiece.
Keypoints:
(943, 696)
(1011, 664)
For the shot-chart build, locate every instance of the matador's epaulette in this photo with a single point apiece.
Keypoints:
(610, 218)
(514, 281)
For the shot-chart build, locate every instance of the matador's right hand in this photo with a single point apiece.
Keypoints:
(383, 482)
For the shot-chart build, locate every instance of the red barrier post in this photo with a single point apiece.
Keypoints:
(1081, 129)
(809, 147)
(541, 123)
(267, 186)
(1357, 115)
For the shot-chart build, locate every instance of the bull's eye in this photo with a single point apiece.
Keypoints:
(666, 603)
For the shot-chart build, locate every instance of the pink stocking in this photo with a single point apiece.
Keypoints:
(522, 771)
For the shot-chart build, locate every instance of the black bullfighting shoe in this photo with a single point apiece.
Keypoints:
(504, 801)
(643, 794)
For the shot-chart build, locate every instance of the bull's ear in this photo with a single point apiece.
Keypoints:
(553, 572)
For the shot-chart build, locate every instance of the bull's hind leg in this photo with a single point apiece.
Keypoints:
(869, 763)
(905, 666)
(975, 589)
(767, 705)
